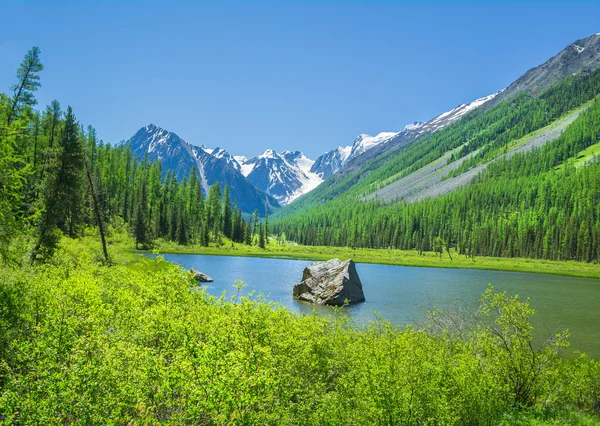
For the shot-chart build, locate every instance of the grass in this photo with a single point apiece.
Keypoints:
(586, 154)
(391, 257)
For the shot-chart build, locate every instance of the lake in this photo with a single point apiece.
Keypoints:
(402, 294)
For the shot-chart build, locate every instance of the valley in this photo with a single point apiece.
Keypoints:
(158, 280)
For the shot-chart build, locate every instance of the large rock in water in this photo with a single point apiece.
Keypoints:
(330, 283)
(200, 277)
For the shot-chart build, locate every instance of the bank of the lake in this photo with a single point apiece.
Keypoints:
(391, 257)
(134, 342)
(403, 295)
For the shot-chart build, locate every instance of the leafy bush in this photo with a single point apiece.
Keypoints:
(88, 344)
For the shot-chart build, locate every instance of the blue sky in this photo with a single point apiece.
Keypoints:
(307, 76)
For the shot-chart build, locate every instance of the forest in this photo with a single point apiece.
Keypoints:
(58, 178)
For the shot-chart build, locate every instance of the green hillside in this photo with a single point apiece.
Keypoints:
(519, 205)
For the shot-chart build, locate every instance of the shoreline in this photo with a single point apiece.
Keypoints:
(409, 258)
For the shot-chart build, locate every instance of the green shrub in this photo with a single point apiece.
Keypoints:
(133, 344)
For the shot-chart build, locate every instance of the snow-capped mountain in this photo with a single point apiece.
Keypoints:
(365, 142)
(213, 165)
(449, 117)
(286, 176)
(407, 135)
(278, 178)
(332, 161)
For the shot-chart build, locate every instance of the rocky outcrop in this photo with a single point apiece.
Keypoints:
(330, 283)
(200, 277)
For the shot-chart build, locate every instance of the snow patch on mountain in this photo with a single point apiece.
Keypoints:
(245, 166)
(286, 175)
(449, 117)
(365, 142)
(206, 149)
(413, 126)
(332, 161)
(269, 153)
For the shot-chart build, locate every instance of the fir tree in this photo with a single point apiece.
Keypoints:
(227, 218)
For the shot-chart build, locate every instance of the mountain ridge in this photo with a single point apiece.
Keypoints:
(212, 165)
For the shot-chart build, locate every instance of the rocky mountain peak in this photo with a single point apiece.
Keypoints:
(579, 57)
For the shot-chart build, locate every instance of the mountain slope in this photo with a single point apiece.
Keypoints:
(366, 147)
(439, 177)
(539, 203)
(522, 169)
(347, 172)
(413, 148)
(213, 165)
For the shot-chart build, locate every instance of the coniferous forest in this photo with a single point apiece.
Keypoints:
(537, 204)
(58, 178)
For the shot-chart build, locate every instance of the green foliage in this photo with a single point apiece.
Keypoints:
(45, 189)
(61, 200)
(87, 344)
(15, 118)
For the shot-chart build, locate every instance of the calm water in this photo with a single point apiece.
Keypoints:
(402, 294)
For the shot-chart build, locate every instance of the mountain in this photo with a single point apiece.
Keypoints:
(213, 165)
(332, 161)
(337, 159)
(412, 132)
(518, 165)
(580, 57)
(285, 176)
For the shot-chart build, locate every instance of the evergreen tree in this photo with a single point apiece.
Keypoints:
(254, 224)
(61, 202)
(227, 218)
(141, 217)
(261, 236)
(28, 81)
(214, 207)
(266, 226)
(248, 233)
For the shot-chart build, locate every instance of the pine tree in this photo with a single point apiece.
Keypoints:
(261, 236)
(61, 203)
(266, 227)
(70, 178)
(227, 217)
(28, 81)
(214, 209)
(248, 234)
(254, 224)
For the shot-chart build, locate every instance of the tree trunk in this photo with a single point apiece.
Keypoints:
(97, 211)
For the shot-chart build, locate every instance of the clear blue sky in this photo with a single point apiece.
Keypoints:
(301, 76)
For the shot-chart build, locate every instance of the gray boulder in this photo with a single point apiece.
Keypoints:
(330, 283)
(200, 277)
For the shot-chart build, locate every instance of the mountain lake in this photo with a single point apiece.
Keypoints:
(403, 294)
